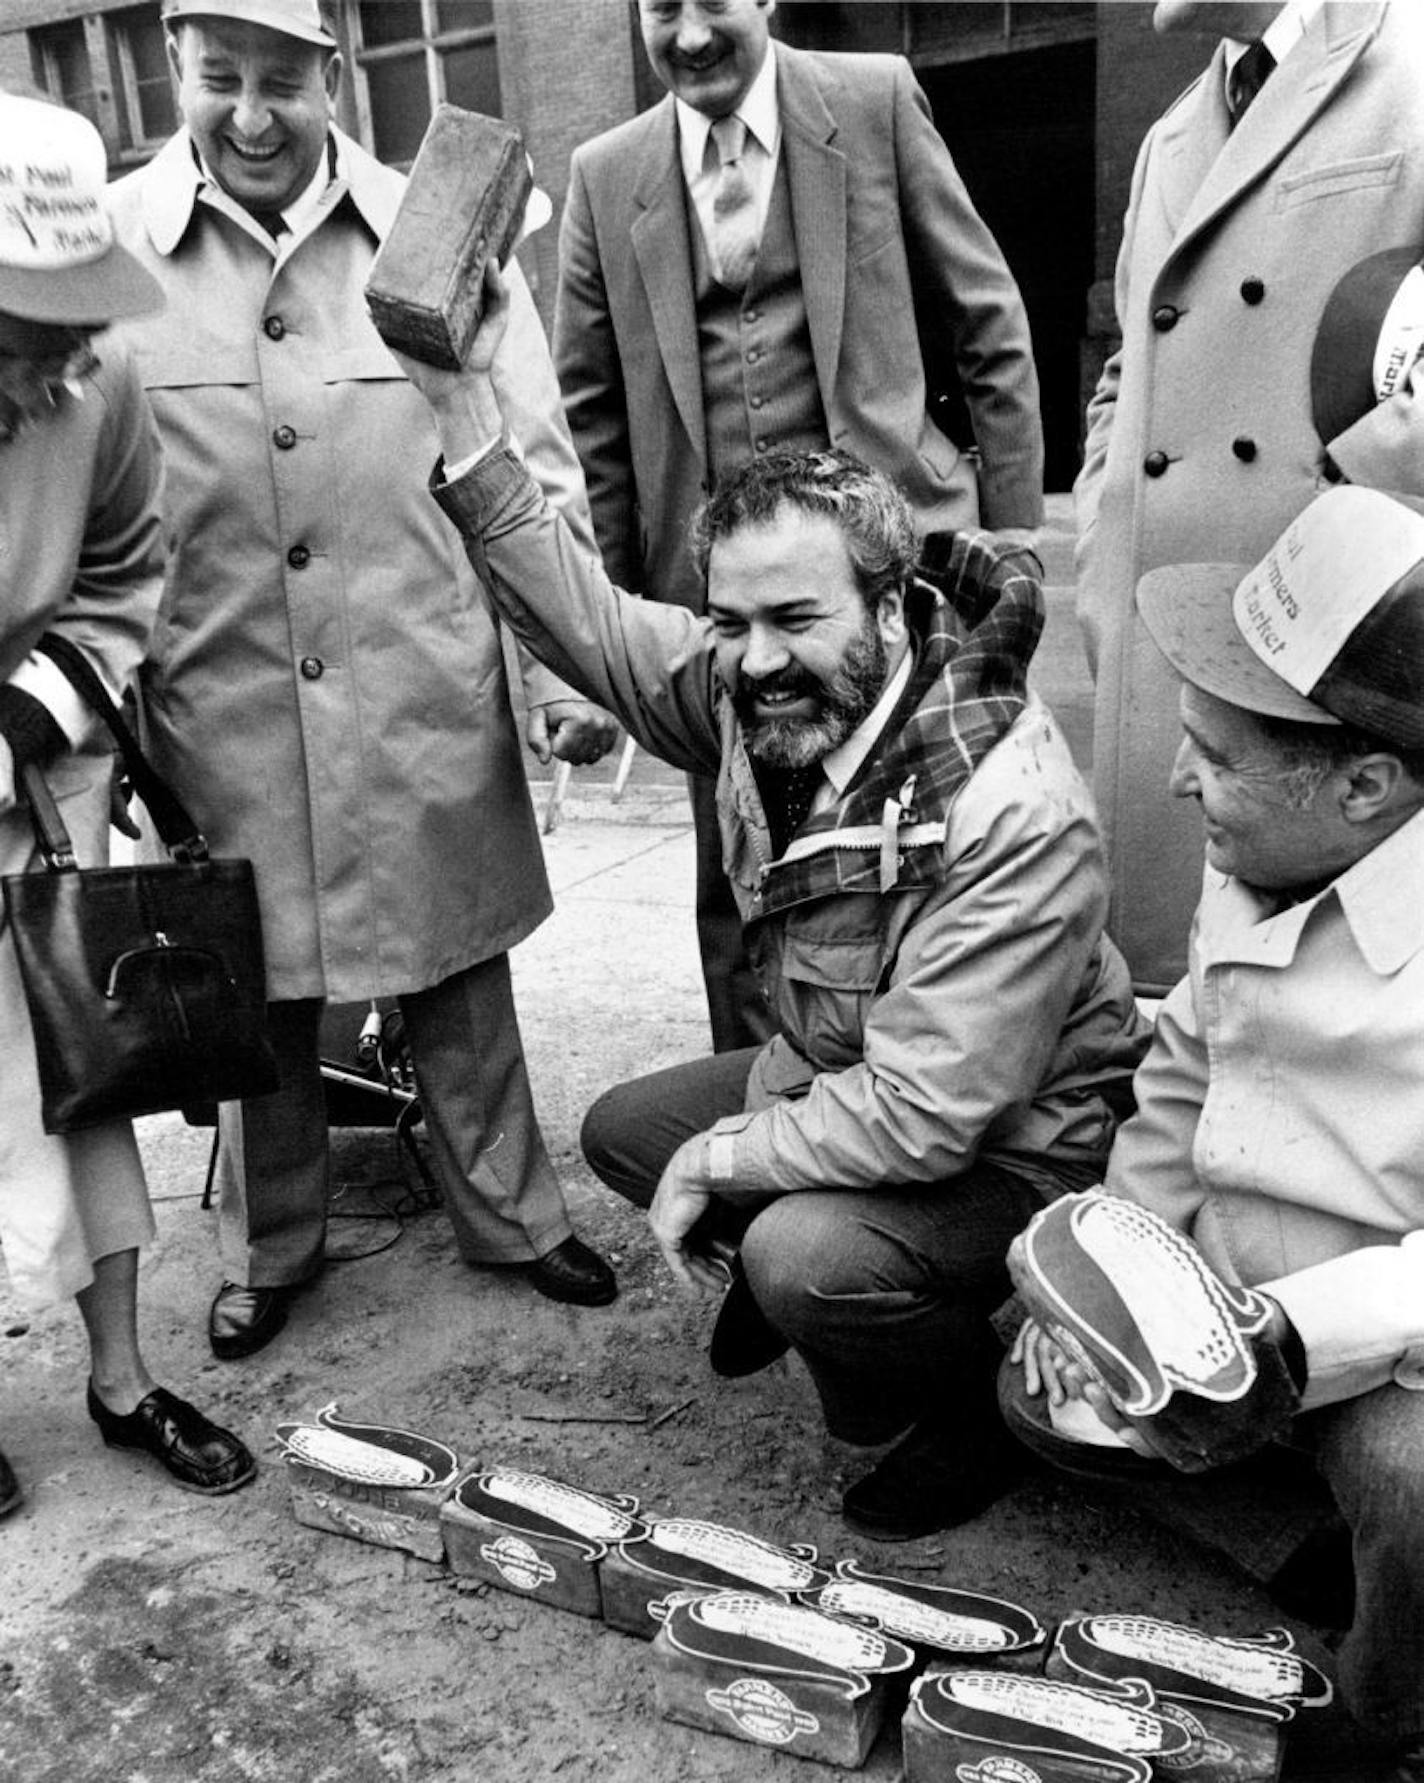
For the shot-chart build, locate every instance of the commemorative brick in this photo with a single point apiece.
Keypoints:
(373, 1482)
(464, 204)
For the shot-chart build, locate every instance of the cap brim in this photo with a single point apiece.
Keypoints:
(1186, 608)
(102, 290)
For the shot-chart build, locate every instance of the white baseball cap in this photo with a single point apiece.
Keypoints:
(1327, 629)
(293, 18)
(59, 261)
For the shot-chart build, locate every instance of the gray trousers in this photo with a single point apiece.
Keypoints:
(498, 1183)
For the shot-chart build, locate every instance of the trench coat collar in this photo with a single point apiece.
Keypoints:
(174, 179)
(1206, 167)
(816, 177)
(1381, 898)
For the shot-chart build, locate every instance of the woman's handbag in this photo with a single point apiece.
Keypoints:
(145, 984)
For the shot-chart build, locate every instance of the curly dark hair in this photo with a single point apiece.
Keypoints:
(873, 516)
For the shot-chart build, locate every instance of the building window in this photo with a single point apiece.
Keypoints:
(113, 68)
(59, 61)
(414, 53)
(143, 85)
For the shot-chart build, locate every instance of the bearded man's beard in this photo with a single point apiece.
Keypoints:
(843, 703)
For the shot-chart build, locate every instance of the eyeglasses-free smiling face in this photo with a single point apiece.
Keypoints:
(707, 52)
(1255, 831)
(258, 105)
(804, 658)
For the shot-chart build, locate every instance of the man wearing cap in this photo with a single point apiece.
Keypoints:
(1297, 153)
(82, 560)
(1280, 1120)
(780, 256)
(327, 686)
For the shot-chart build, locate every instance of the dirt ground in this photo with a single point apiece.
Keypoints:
(147, 1636)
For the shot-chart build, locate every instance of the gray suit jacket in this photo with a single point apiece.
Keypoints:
(907, 294)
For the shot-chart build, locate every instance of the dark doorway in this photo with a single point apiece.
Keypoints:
(1021, 130)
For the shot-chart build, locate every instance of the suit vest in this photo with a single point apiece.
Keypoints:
(759, 389)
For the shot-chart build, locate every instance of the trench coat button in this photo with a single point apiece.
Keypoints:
(274, 328)
(753, 355)
(284, 438)
(1244, 449)
(1252, 290)
(758, 402)
(313, 668)
(1164, 318)
(1155, 463)
(751, 315)
(299, 557)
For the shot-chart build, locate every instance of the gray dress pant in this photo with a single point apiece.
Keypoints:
(498, 1183)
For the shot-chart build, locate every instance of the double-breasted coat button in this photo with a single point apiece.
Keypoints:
(284, 438)
(274, 328)
(1252, 290)
(313, 668)
(1244, 449)
(1164, 318)
(299, 557)
(1155, 463)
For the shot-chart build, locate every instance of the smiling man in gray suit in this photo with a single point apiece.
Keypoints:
(779, 256)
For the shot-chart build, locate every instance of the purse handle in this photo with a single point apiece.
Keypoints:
(179, 834)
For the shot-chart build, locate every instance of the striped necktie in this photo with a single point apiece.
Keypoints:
(734, 218)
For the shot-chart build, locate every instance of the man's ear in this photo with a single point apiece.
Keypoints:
(331, 75)
(1373, 785)
(890, 618)
(173, 43)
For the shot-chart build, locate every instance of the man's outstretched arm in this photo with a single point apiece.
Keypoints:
(649, 664)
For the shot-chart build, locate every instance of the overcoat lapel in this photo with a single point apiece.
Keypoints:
(1335, 41)
(664, 256)
(816, 178)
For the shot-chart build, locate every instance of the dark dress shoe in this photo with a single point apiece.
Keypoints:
(200, 1455)
(937, 1475)
(743, 1341)
(244, 1320)
(572, 1272)
(10, 1492)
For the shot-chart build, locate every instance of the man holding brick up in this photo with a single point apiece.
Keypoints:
(327, 687)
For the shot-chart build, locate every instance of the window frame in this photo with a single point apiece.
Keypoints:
(433, 44)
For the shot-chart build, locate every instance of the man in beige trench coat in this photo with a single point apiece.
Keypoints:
(1201, 440)
(326, 684)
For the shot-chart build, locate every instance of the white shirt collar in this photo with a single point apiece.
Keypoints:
(844, 761)
(1282, 34)
(758, 111)
(303, 210)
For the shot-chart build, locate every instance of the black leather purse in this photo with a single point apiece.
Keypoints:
(145, 984)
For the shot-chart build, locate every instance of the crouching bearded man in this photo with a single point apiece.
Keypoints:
(922, 883)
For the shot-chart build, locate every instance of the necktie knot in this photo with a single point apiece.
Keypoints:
(730, 136)
(1252, 71)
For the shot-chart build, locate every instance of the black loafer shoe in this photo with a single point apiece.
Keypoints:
(10, 1492)
(743, 1342)
(572, 1272)
(934, 1478)
(244, 1320)
(200, 1455)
